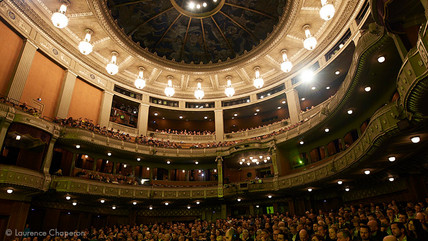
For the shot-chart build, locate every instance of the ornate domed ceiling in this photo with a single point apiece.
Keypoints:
(197, 31)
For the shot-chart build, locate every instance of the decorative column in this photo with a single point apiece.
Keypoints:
(219, 161)
(273, 157)
(219, 125)
(22, 70)
(292, 102)
(104, 115)
(5, 123)
(66, 94)
(402, 51)
(73, 164)
(47, 161)
(143, 119)
(223, 211)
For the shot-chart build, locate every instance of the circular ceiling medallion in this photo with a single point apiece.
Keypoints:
(198, 8)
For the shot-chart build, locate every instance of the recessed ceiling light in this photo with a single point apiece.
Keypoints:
(341, 46)
(77, 146)
(367, 172)
(307, 75)
(347, 189)
(327, 130)
(109, 154)
(197, 202)
(337, 72)
(350, 112)
(198, 6)
(340, 182)
(327, 88)
(9, 190)
(148, 168)
(138, 159)
(236, 114)
(181, 117)
(67, 197)
(188, 207)
(257, 206)
(204, 4)
(151, 207)
(258, 110)
(367, 89)
(392, 158)
(168, 162)
(205, 117)
(134, 203)
(301, 142)
(238, 199)
(309, 189)
(124, 165)
(255, 113)
(283, 102)
(156, 114)
(415, 139)
(18, 137)
(269, 196)
(279, 107)
(166, 204)
(314, 88)
(261, 97)
(196, 163)
(391, 179)
(191, 5)
(74, 203)
(302, 99)
(102, 201)
(381, 59)
(113, 207)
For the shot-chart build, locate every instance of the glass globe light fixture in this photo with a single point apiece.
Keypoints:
(169, 90)
(112, 67)
(327, 10)
(258, 80)
(84, 46)
(140, 82)
(59, 19)
(199, 93)
(229, 91)
(310, 41)
(286, 64)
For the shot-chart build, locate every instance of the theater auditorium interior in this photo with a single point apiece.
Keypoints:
(299, 120)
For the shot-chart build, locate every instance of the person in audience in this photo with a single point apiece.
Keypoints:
(343, 235)
(399, 231)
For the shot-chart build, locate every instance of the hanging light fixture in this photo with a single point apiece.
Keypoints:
(169, 90)
(286, 64)
(59, 19)
(310, 41)
(258, 80)
(327, 10)
(112, 67)
(140, 82)
(199, 93)
(84, 46)
(229, 91)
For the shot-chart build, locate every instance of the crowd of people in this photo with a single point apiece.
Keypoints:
(106, 177)
(185, 132)
(383, 222)
(21, 106)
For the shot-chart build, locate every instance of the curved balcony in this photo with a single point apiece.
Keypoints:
(23, 177)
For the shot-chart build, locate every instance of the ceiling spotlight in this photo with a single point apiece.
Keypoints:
(286, 64)
(255, 113)
(340, 182)
(168, 162)
(391, 158)
(236, 114)
(415, 139)
(167, 203)
(134, 203)
(309, 189)
(391, 179)
(9, 190)
(327, 10)
(204, 4)
(197, 202)
(67, 197)
(196, 163)
(199, 93)
(109, 154)
(307, 75)
(337, 72)
(113, 207)
(269, 196)
(188, 207)
(77, 146)
(279, 107)
(327, 88)
(148, 168)
(181, 117)
(347, 189)
(59, 19)
(238, 199)
(205, 117)
(283, 102)
(350, 112)
(138, 159)
(156, 114)
(198, 6)
(18, 137)
(112, 67)
(74, 203)
(341, 46)
(140, 82)
(151, 207)
(367, 89)
(85, 47)
(191, 5)
(367, 172)
(327, 130)
(381, 59)
(314, 88)
(310, 41)
(303, 99)
(102, 201)
(86, 156)
(258, 80)
(301, 142)
(169, 90)
(124, 165)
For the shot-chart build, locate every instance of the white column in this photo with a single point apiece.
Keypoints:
(65, 94)
(22, 70)
(220, 176)
(293, 104)
(219, 126)
(143, 119)
(104, 115)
